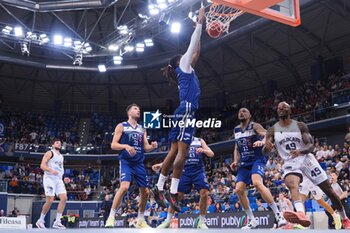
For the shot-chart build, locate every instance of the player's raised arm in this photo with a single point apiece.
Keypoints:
(205, 149)
(261, 132)
(269, 141)
(198, 49)
(148, 147)
(115, 145)
(192, 53)
(47, 156)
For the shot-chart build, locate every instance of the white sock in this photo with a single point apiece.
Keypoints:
(202, 218)
(249, 213)
(299, 206)
(140, 217)
(169, 217)
(161, 182)
(174, 185)
(274, 208)
(58, 217)
(112, 213)
(42, 217)
(334, 215)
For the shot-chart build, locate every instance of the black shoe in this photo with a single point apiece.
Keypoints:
(159, 197)
(172, 199)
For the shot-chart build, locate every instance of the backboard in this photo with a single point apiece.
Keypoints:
(283, 11)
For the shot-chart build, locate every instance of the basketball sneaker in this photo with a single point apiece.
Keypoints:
(58, 225)
(297, 217)
(110, 222)
(165, 224)
(159, 197)
(281, 221)
(200, 224)
(172, 199)
(299, 227)
(337, 221)
(346, 224)
(252, 224)
(40, 224)
(142, 224)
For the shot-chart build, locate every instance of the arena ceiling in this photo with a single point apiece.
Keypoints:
(238, 64)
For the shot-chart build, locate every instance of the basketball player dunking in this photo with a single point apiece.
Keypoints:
(52, 165)
(180, 70)
(131, 139)
(251, 166)
(294, 144)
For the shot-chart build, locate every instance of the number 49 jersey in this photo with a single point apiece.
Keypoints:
(288, 139)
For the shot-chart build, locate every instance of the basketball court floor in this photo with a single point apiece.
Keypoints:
(152, 230)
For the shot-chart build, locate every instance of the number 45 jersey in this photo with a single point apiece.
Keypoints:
(289, 138)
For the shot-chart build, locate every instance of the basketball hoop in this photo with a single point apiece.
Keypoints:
(219, 17)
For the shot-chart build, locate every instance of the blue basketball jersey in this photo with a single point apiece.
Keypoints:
(244, 140)
(134, 138)
(194, 161)
(189, 89)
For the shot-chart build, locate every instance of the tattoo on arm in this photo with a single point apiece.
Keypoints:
(269, 137)
(259, 129)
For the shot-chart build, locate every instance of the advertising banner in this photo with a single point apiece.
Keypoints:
(13, 222)
(266, 219)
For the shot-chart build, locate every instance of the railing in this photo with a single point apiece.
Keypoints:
(341, 96)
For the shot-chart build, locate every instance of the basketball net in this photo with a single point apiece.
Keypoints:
(221, 14)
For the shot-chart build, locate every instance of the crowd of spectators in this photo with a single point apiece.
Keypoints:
(36, 131)
(309, 103)
(28, 179)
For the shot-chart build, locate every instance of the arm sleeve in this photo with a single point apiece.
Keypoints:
(186, 59)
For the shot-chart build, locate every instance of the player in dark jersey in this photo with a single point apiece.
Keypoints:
(131, 139)
(180, 71)
(193, 174)
(251, 166)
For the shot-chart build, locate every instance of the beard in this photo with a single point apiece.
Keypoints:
(57, 148)
(284, 117)
(242, 120)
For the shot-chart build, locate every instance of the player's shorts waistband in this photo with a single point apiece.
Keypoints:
(191, 105)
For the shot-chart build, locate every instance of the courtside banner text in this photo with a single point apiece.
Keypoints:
(13, 222)
(266, 219)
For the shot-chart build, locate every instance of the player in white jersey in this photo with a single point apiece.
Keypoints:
(52, 165)
(307, 187)
(294, 144)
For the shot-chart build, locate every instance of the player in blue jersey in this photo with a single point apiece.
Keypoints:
(180, 71)
(193, 174)
(250, 161)
(131, 139)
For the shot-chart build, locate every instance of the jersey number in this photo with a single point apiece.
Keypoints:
(291, 146)
(315, 172)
